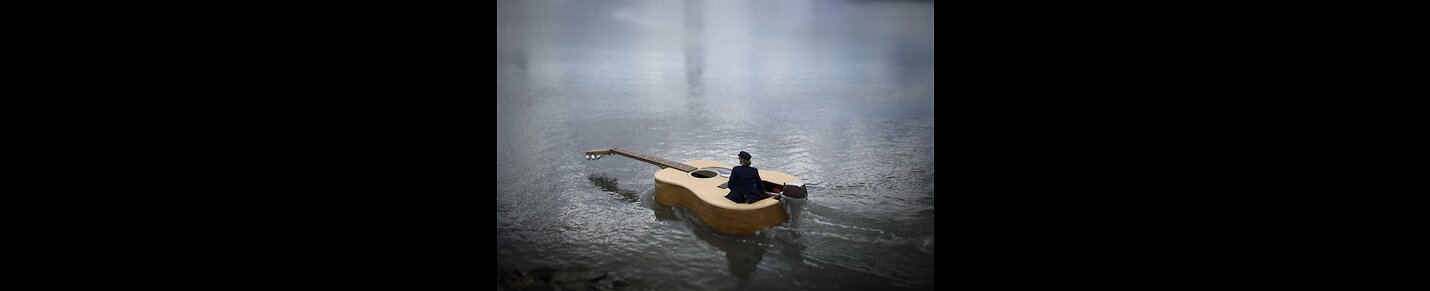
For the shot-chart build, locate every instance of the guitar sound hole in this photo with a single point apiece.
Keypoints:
(704, 174)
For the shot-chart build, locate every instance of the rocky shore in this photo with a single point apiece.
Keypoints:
(547, 278)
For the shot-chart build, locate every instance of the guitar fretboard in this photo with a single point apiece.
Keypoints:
(663, 163)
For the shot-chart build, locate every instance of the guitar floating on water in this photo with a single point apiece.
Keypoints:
(698, 185)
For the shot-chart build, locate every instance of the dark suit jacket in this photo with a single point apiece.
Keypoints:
(745, 185)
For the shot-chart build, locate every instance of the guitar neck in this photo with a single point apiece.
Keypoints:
(663, 163)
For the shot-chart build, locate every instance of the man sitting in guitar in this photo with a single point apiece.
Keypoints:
(745, 185)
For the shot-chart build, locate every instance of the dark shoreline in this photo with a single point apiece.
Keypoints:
(548, 278)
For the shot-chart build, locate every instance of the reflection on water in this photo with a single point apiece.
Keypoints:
(837, 93)
(609, 185)
(742, 252)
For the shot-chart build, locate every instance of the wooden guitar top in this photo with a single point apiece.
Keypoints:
(708, 190)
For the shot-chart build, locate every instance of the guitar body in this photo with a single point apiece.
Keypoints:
(699, 191)
(695, 185)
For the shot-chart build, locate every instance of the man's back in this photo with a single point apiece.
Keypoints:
(745, 185)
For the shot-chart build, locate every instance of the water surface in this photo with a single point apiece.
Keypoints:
(839, 94)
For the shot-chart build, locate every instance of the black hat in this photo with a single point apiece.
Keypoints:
(744, 155)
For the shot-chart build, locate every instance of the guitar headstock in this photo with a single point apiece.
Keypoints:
(597, 154)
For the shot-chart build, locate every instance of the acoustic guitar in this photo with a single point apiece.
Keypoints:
(699, 186)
